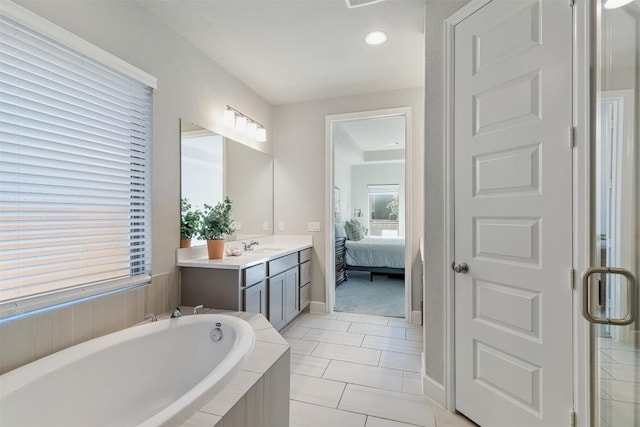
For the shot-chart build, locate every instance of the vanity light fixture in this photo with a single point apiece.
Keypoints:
(243, 123)
(252, 129)
(376, 37)
(614, 4)
(261, 135)
(229, 117)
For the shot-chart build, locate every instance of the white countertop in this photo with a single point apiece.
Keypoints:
(269, 248)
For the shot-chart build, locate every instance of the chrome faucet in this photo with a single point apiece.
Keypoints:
(176, 313)
(249, 247)
(196, 308)
(151, 316)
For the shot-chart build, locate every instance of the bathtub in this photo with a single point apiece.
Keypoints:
(155, 374)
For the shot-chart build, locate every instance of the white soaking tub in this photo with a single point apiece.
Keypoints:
(156, 374)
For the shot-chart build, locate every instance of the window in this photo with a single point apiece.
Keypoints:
(75, 169)
(384, 210)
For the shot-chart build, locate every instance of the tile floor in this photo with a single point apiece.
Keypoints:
(619, 382)
(353, 370)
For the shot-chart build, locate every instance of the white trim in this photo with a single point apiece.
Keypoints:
(434, 390)
(47, 28)
(317, 307)
(330, 267)
(581, 207)
(449, 220)
(330, 184)
(416, 317)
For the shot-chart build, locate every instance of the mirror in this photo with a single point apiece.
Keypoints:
(212, 166)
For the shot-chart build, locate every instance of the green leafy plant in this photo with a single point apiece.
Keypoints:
(216, 221)
(189, 220)
(393, 206)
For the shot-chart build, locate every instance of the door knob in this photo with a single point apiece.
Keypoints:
(460, 268)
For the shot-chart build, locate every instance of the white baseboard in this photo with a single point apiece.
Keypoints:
(433, 389)
(416, 317)
(318, 307)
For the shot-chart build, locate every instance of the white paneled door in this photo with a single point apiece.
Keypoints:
(513, 213)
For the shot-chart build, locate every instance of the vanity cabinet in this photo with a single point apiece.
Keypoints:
(304, 293)
(283, 289)
(255, 289)
(279, 288)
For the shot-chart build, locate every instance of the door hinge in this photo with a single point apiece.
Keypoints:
(572, 136)
(572, 278)
(572, 418)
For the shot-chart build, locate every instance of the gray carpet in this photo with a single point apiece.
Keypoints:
(382, 297)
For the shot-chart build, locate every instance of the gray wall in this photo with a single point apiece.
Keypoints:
(436, 12)
(190, 85)
(300, 181)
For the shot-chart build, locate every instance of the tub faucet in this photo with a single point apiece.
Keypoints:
(249, 247)
(196, 308)
(176, 313)
(151, 316)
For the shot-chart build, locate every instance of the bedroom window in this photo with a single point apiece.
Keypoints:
(75, 169)
(384, 210)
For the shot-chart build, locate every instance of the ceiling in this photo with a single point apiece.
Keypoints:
(370, 140)
(291, 51)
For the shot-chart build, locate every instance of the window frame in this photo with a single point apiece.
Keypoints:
(27, 306)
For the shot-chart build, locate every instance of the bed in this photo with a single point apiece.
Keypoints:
(384, 255)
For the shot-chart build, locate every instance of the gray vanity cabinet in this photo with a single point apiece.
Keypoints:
(304, 293)
(291, 292)
(279, 289)
(276, 300)
(283, 289)
(255, 298)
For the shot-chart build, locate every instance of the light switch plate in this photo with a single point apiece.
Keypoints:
(281, 226)
(237, 225)
(265, 226)
(313, 226)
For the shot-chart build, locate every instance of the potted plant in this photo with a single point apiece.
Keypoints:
(215, 224)
(189, 222)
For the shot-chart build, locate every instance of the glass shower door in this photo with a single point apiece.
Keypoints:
(612, 301)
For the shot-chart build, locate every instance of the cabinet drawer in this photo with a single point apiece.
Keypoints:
(305, 255)
(305, 273)
(255, 274)
(281, 264)
(305, 296)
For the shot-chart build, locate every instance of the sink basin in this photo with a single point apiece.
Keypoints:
(262, 250)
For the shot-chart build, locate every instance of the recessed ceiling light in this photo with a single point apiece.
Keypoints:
(391, 144)
(376, 37)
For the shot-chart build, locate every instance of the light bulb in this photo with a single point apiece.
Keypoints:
(229, 117)
(241, 123)
(252, 129)
(261, 135)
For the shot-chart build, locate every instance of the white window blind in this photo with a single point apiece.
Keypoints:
(75, 166)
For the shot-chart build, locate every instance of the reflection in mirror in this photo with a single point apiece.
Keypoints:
(213, 167)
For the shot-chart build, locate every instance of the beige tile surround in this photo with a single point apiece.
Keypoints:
(36, 337)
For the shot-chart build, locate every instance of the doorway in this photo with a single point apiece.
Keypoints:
(369, 217)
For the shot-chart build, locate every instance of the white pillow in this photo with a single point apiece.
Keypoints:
(340, 230)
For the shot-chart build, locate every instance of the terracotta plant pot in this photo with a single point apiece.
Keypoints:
(185, 243)
(215, 248)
